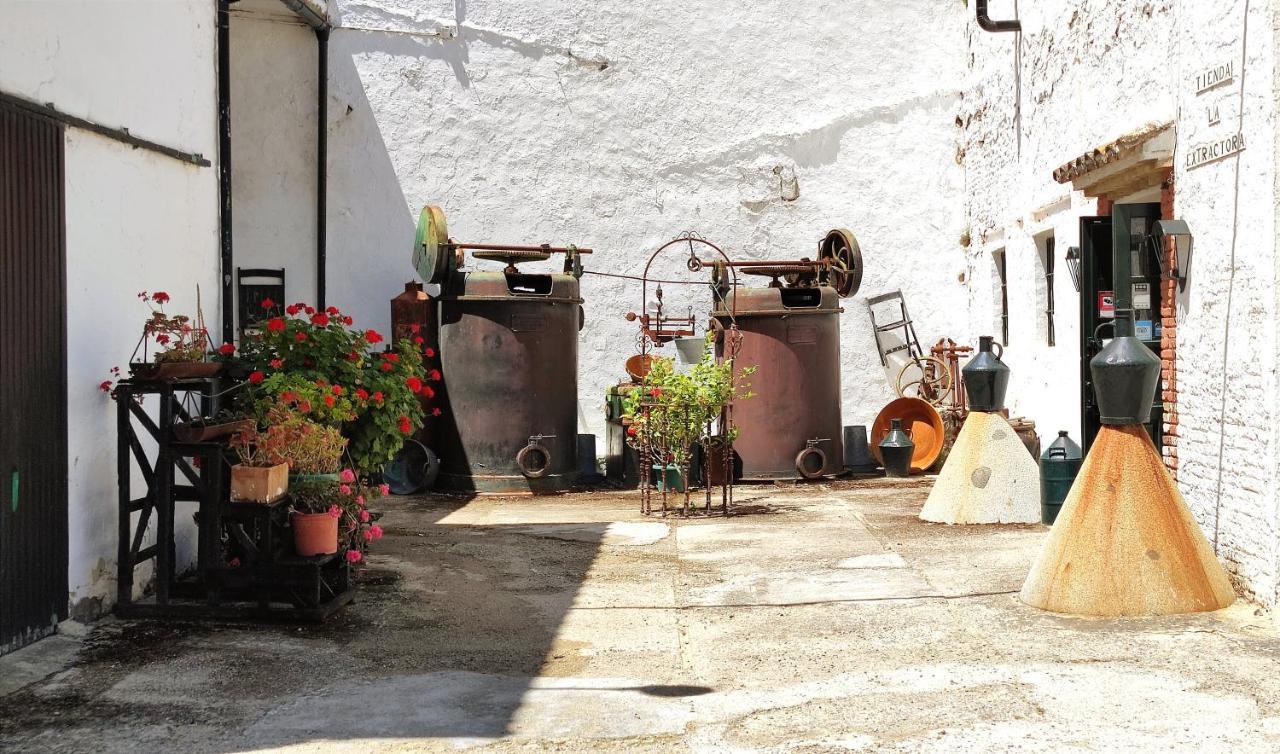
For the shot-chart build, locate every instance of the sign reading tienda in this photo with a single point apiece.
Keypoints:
(1216, 150)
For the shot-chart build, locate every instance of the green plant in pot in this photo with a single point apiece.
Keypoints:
(312, 450)
(317, 363)
(331, 516)
(674, 410)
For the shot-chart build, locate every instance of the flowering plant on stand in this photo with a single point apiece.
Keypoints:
(318, 364)
(348, 501)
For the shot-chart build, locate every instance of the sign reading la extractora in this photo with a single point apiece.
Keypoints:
(1213, 151)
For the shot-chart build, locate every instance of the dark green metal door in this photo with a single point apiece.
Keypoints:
(33, 380)
(1128, 228)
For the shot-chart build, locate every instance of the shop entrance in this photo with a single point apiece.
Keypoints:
(1128, 228)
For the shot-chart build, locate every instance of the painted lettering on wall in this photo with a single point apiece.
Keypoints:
(1214, 77)
(1204, 154)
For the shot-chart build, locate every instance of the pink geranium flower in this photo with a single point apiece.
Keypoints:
(376, 531)
(335, 511)
(344, 489)
(354, 556)
(347, 475)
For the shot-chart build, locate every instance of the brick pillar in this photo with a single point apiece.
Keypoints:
(1169, 338)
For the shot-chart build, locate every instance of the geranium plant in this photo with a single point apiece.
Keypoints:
(308, 447)
(319, 365)
(348, 501)
(175, 337)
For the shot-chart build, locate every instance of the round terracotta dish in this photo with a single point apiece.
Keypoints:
(638, 366)
(925, 425)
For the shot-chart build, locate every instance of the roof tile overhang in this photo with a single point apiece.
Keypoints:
(1136, 161)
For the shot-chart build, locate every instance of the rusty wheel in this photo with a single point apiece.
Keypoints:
(810, 463)
(534, 460)
(927, 378)
(845, 273)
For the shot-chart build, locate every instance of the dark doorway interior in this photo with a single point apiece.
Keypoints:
(1129, 226)
(33, 379)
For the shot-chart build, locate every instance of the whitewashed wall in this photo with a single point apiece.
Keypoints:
(1092, 71)
(135, 220)
(619, 125)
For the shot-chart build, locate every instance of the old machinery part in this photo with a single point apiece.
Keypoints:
(433, 256)
(811, 462)
(927, 378)
(844, 271)
(512, 257)
(777, 271)
(534, 459)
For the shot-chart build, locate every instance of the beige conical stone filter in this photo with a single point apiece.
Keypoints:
(989, 477)
(1125, 542)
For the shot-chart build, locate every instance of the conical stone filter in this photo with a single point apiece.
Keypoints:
(989, 477)
(1125, 542)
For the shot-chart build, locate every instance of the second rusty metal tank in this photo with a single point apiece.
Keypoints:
(508, 345)
(791, 427)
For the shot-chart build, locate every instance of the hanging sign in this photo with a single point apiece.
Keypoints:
(1106, 304)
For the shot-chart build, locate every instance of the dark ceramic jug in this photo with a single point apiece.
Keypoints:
(986, 378)
(896, 450)
(1125, 376)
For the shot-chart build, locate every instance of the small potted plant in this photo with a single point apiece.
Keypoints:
(328, 516)
(312, 450)
(206, 429)
(171, 346)
(262, 476)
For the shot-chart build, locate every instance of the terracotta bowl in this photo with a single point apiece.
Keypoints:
(638, 366)
(925, 425)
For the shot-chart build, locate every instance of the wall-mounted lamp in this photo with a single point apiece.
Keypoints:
(1073, 264)
(1183, 243)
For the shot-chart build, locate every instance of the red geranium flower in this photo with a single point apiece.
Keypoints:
(333, 310)
(300, 337)
(415, 327)
(162, 339)
(321, 383)
(304, 406)
(404, 424)
(631, 431)
(373, 336)
(288, 396)
(414, 384)
(348, 321)
(292, 309)
(276, 363)
(160, 297)
(434, 375)
(655, 392)
(418, 340)
(309, 309)
(105, 386)
(391, 356)
(427, 392)
(226, 349)
(430, 353)
(386, 366)
(267, 303)
(336, 390)
(328, 400)
(377, 396)
(362, 394)
(276, 324)
(435, 412)
(255, 377)
(320, 319)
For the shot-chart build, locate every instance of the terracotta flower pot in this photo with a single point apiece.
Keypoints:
(259, 484)
(314, 533)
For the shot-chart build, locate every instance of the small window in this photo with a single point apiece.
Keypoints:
(1002, 294)
(1045, 248)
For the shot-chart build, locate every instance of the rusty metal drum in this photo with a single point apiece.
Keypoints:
(791, 427)
(509, 362)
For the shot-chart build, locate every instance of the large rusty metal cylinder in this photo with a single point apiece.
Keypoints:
(791, 427)
(509, 360)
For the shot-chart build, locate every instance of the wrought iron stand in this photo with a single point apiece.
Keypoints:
(268, 581)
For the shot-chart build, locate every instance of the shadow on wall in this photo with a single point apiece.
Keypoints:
(370, 221)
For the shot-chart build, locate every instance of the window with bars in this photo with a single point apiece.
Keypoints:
(1002, 279)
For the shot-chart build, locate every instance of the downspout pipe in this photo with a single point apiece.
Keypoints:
(227, 259)
(984, 20)
(322, 160)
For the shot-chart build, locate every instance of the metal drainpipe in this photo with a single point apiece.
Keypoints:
(322, 158)
(224, 169)
(987, 24)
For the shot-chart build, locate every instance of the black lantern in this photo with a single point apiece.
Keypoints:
(1182, 244)
(1073, 264)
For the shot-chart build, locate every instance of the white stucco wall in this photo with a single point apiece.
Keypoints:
(617, 126)
(135, 220)
(1090, 72)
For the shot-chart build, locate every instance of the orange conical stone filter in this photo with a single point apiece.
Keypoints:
(1125, 542)
(989, 477)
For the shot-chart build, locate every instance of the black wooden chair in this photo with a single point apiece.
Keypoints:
(255, 285)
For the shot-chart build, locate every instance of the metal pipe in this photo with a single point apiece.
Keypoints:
(509, 247)
(227, 259)
(987, 24)
(322, 159)
(307, 14)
